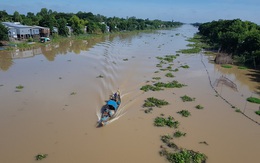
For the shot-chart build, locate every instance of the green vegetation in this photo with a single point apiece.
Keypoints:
(100, 76)
(125, 59)
(253, 100)
(236, 37)
(156, 78)
(187, 98)
(150, 88)
(161, 122)
(199, 107)
(170, 75)
(257, 112)
(73, 93)
(185, 156)
(152, 102)
(184, 113)
(190, 51)
(226, 66)
(41, 156)
(97, 24)
(185, 66)
(160, 85)
(149, 110)
(242, 68)
(173, 84)
(178, 134)
(19, 87)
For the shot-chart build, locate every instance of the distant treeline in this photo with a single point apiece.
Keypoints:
(95, 24)
(241, 39)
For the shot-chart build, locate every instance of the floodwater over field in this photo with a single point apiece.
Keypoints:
(66, 84)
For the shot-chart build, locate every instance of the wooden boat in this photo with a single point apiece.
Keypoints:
(108, 111)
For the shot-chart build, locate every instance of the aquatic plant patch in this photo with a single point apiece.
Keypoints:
(152, 102)
(178, 134)
(19, 87)
(199, 107)
(253, 100)
(150, 88)
(170, 75)
(40, 156)
(173, 84)
(184, 113)
(187, 98)
(170, 122)
(156, 78)
(185, 66)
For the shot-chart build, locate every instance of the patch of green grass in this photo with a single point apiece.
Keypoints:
(190, 51)
(257, 112)
(170, 122)
(253, 100)
(178, 134)
(187, 98)
(242, 68)
(152, 102)
(226, 66)
(199, 107)
(19, 87)
(40, 156)
(170, 75)
(184, 113)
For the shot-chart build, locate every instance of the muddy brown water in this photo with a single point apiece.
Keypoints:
(56, 111)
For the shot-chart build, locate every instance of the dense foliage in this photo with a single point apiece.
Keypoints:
(84, 21)
(241, 39)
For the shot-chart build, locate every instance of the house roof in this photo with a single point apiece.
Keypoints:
(15, 25)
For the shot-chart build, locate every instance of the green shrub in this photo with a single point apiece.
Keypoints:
(257, 112)
(178, 134)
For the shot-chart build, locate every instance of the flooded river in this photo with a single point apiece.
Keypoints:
(66, 84)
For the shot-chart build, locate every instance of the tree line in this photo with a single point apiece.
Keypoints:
(96, 24)
(240, 39)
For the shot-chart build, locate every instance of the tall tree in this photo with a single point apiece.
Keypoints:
(76, 24)
(17, 17)
(62, 27)
(3, 33)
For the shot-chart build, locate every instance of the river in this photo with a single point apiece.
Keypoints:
(66, 84)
